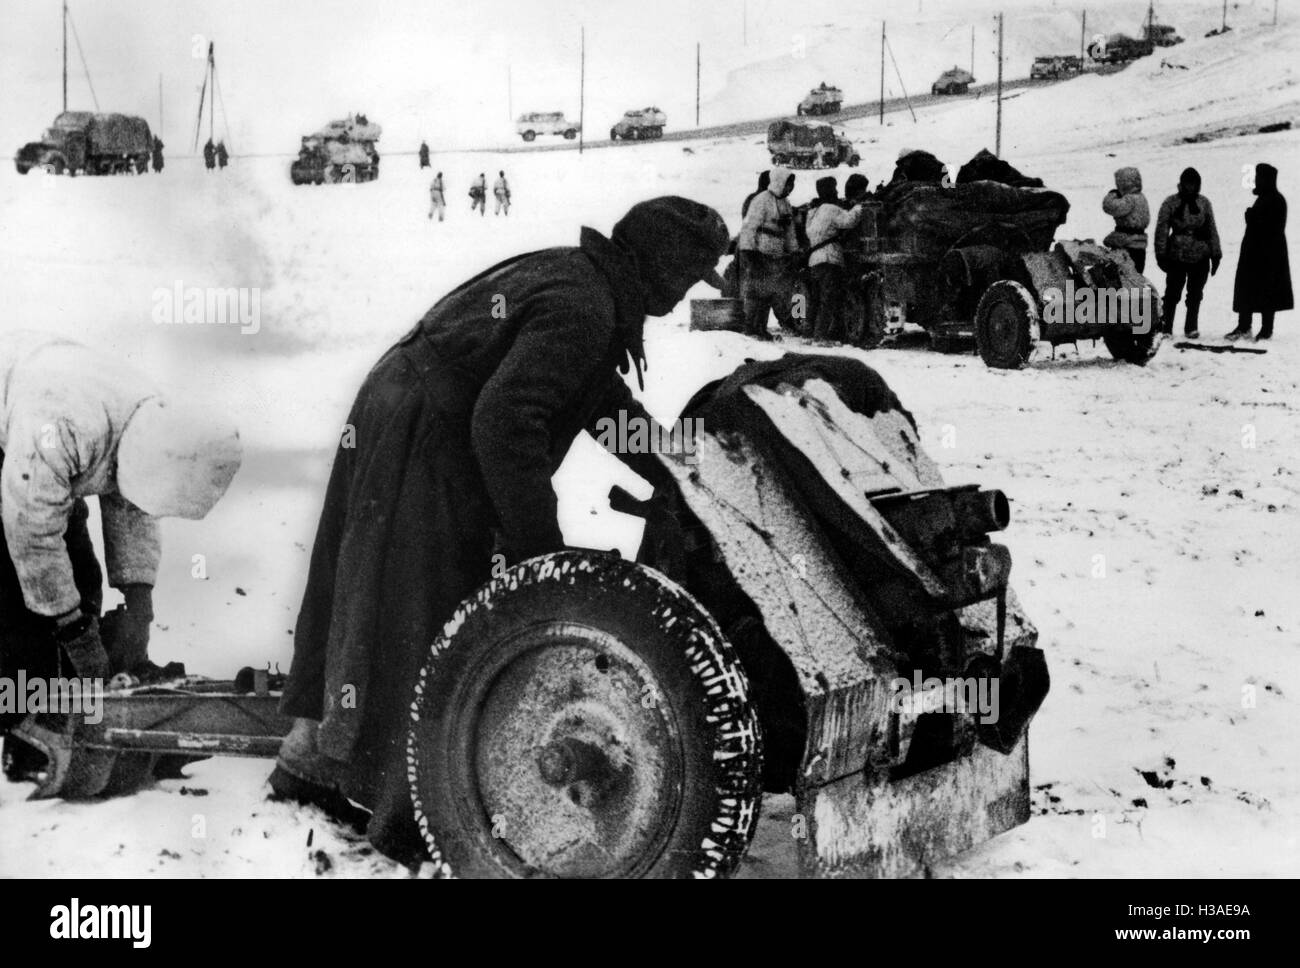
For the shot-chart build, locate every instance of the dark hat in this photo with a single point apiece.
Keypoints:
(1190, 176)
(826, 186)
(674, 236)
(857, 183)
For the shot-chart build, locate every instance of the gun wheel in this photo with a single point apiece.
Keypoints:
(1006, 325)
(582, 716)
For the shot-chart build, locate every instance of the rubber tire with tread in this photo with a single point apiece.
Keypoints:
(670, 632)
(1129, 348)
(1003, 354)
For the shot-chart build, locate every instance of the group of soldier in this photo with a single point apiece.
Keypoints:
(1188, 252)
(477, 195)
(781, 245)
(777, 243)
(215, 156)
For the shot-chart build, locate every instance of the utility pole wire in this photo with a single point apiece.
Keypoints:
(82, 54)
(890, 48)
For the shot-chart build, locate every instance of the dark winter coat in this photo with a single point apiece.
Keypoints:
(456, 433)
(1263, 282)
(1185, 236)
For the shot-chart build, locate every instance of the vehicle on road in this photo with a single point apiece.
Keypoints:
(809, 144)
(533, 123)
(821, 100)
(953, 81)
(91, 143)
(639, 125)
(342, 151)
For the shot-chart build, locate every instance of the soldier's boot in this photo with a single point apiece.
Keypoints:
(1191, 329)
(1265, 326)
(1243, 327)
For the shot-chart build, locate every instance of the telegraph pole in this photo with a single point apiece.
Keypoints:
(1083, 38)
(997, 148)
(882, 72)
(697, 84)
(582, 85)
(1225, 16)
(65, 55)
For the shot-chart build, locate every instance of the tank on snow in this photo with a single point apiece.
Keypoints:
(342, 151)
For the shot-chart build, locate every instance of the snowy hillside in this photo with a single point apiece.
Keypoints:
(1176, 670)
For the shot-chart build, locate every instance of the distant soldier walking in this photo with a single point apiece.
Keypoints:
(1263, 283)
(478, 194)
(210, 155)
(1126, 204)
(223, 156)
(157, 154)
(437, 199)
(424, 154)
(501, 191)
(1187, 249)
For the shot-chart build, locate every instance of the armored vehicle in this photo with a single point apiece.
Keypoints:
(639, 125)
(954, 81)
(342, 151)
(821, 100)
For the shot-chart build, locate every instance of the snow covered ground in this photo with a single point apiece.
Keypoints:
(1156, 511)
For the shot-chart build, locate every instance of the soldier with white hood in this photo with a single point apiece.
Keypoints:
(767, 246)
(77, 423)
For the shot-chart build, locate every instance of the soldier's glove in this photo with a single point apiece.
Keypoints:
(79, 639)
(1214, 264)
(125, 630)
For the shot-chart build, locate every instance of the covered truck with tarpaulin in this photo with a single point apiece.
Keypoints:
(809, 144)
(89, 142)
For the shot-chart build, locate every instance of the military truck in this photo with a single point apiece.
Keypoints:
(530, 125)
(84, 141)
(807, 144)
(954, 81)
(639, 125)
(1054, 66)
(342, 151)
(821, 100)
(1119, 49)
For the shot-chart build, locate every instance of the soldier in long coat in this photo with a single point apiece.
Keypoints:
(453, 440)
(1263, 283)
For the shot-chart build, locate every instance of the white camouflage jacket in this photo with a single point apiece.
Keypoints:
(63, 408)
